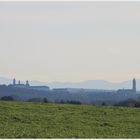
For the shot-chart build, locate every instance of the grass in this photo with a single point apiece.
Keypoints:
(40, 120)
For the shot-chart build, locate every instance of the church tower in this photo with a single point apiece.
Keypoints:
(27, 83)
(14, 81)
(19, 82)
(134, 85)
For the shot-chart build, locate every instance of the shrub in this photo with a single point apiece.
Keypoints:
(128, 103)
(74, 102)
(7, 98)
(45, 100)
(103, 103)
(35, 100)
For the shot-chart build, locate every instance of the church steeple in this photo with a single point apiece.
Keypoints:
(27, 83)
(14, 81)
(134, 85)
(19, 82)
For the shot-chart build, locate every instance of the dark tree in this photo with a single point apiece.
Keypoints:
(45, 100)
(74, 102)
(7, 98)
(103, 104)
(62, 101)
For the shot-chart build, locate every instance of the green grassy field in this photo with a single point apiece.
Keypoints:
(40, 120)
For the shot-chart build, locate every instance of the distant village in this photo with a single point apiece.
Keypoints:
(25, 92)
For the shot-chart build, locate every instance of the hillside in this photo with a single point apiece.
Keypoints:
(89, 84)
(40, 120)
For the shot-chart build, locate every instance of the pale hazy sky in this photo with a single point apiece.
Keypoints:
(70, 41)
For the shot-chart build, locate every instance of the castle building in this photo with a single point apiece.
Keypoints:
(27, 85)
(19, 84)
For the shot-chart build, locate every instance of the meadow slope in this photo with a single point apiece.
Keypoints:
(40, 120)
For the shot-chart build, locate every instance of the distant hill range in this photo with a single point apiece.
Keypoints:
(90, 84)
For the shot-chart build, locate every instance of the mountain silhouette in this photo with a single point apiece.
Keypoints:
(89, 84)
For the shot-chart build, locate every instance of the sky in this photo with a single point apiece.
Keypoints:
(70, 41)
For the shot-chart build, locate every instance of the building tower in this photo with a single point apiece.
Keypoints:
(134, 85)
(27, 83)
(14, 81)
(19, 82)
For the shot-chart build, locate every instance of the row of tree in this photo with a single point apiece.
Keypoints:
(126, 103)
(45, 100)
